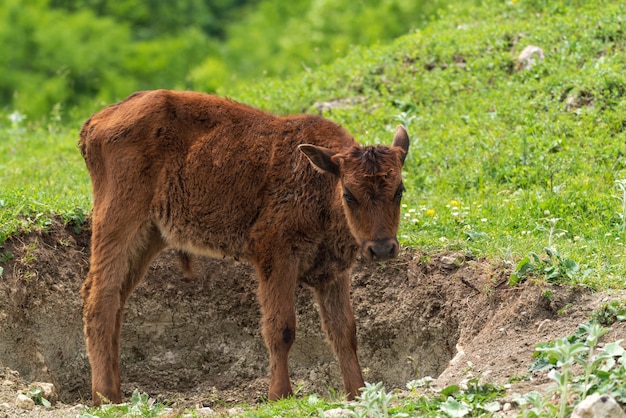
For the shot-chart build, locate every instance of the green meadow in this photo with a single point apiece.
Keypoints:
(503, 162)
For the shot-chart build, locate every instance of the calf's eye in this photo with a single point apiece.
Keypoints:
(348, 197)
(398, 194)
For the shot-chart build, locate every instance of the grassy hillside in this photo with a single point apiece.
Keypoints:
(503, 162)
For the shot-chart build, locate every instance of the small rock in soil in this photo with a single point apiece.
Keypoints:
(8, 383)
(529, 57)
(205, 412)
(24, 402)
(450, 262)
(48, 391)
(598, 406)
(337, 412)
(235, 411)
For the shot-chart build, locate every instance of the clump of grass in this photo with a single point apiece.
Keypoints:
(610, 312)
(36, 394)
(621, 186)
(373, 402)
(471, 398)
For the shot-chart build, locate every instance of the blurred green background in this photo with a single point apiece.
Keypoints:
(57, 55)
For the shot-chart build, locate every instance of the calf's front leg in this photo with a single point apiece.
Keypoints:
(276, 295)
(335, 308)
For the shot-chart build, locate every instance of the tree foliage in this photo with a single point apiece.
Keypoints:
(283, 37)
(88, 52)
(49, 55)
(279, 38)
(153, 18)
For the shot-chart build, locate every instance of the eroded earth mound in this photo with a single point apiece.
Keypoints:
(198, 340)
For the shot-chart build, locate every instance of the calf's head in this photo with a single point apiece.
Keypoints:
(370, 188)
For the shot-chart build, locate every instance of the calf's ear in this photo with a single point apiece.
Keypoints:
(320, 158)
(401, 140)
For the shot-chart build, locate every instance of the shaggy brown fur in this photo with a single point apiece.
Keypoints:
(295, 196)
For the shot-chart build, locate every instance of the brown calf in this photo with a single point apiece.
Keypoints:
(295, 196)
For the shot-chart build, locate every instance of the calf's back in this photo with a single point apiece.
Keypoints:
(211, 173)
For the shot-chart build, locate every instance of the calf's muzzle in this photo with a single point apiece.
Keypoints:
(379, 250)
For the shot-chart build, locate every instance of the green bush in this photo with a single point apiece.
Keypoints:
(279, 38)
(51, 57)
(74, 53)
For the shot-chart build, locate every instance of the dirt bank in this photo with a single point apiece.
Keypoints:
(199, 341)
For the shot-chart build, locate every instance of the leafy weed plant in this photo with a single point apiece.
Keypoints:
(603, 371)
(140, 405)
(554, 267)
(470, 399)
(373, 402)
(610, 312)
(36, 395)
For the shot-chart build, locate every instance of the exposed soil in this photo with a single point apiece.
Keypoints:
(197, 341)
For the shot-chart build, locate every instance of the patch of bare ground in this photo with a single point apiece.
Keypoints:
(197, 341)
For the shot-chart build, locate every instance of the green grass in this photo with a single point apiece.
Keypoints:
(41, 175)
(497, 154)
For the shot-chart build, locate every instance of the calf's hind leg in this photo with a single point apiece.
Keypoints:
(335, 308)
(117, 265)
